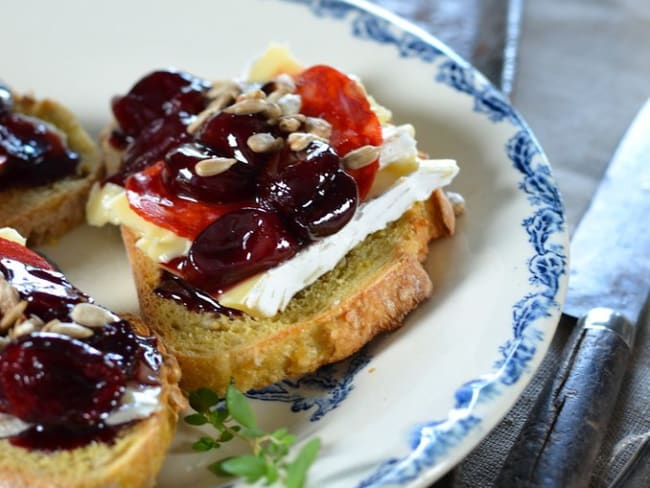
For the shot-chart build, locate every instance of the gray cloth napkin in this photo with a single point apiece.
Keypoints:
(583, 72)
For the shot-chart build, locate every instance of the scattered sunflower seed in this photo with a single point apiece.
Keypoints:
(290, 123)
(247, 106)
(290, 103)
(300, 140)
(264, 142)
(213, 166)
(285, 83)
(216, 106)
(318, 126)
(91, 315)
(223, 86)
(13, 315)
(361, 157)
(256, 94)
(68, 328)
(26, 327)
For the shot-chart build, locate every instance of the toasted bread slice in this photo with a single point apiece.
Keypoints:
(43, 213)
(370, 291)
(132, 461)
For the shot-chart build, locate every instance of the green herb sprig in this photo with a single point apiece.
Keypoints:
(233, 417)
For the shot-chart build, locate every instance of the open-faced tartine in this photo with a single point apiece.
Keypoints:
(274, 224)
(48, 164)
(88, 399)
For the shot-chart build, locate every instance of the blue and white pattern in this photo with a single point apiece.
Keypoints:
(306, 393)
(546, 266)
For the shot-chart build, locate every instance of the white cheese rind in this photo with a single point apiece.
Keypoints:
(110, 204)
(272, 290)
(11, 234)
(135, 405)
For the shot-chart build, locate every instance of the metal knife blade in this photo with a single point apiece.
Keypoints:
(610, 251)
(610, 267)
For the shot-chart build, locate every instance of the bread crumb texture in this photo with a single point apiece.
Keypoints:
(368, 292)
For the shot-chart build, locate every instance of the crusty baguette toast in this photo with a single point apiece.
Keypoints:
(45, 212)
(132, 461)
(370, 291)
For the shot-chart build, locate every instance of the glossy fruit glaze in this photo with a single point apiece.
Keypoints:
(268, 204)
(32, 152)
(65, 387)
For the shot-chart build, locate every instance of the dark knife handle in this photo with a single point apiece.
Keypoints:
(561, 438)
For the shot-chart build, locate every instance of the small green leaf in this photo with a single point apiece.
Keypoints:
(239, 407)
(204, 444)
(196, 419)
(217, 417)
(251, 432)
(216, 467)
(248, 466)
(297, 470)
(279, 434)
(272, 474)
(289, 440)
(202, 399)
(225, 436)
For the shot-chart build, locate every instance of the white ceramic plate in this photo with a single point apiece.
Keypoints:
(415, 402)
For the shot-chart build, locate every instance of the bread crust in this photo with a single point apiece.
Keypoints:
(45, 212)
(133, 461)
(270, 350)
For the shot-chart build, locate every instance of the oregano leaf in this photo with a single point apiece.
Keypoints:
(297, 470)
(196, 419)
(202, 399)
(239, 408)
(248, 466)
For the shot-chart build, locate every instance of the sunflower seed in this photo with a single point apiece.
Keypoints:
(290, 123)
(264, 142)
(361, 157)
(68, 328)
(300, 140)
(285, 83)
(290, 103)
(216, 106)
(213, 166)
(247, 106)
(282, 85)
(223, 86)
(26, 327)
(256, 94)
(13, 315)
(318, 126)
(91, 315)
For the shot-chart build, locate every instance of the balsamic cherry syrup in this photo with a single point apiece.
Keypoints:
(32, 152)
(66, 387)
(266, 205)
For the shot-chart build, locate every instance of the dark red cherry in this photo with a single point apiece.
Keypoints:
(238, 245)
(329, 214)
(179, 175)
(57, 380)
(159, 93)
(48, 293)
(137, 355)
(31, 152)
(309, 188)
(6, 100)
(228, 134)
(153, 143)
